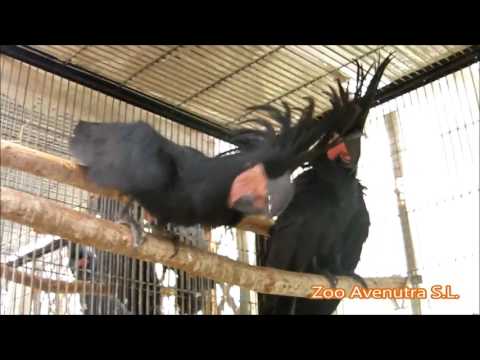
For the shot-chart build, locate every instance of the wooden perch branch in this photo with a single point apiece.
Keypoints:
(51, 167)
(49, 285)
(68, 172)
(47, 216)
(63, 287)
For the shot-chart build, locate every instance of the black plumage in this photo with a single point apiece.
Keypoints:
(179, 185)
(326, 224)
(84, 266)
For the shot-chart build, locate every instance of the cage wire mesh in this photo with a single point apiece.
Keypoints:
(429, 165)
(433, 164)
(420, 151)
(40, 110)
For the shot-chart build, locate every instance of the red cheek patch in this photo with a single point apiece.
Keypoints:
(339, 150)
(147, 216)
(82, 263)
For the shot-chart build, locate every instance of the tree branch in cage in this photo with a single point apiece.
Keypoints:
(52, 285)
(47, 216)
(51, 167)
(56, 244)
(63, 287)
(68, 172)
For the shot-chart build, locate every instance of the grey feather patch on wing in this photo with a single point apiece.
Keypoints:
(281, 191)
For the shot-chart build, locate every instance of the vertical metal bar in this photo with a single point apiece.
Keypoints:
(205, 290)
(392, 125)
(87, 97)
(65, 117)
(141, 264)
(438, 102)
(470, 96)
(103, 205)
(126, 262)
(57, 103)
(461, 130)
(133, 262)
(121, 262)
(195, 281)
(97, 274)
(29, 69)
(2, 70)
(457, 151)
(111, 214)
(10, 240)
(72, 246)
(168, 131)
(106, 267)
(141, 283)
(77, 100)
(57, 278)
(148, 265)
(103, 254)
(444, 116)
(22, 120)
(148, 282)
(471, 122)
(453, 122)
(117, 278)
(83, 295)
(243, 257)
(472, 76)
(464, 108)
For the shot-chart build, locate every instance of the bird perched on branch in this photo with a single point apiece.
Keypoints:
(180, 185)
(134, 282)
(326, 224)
(86, 265)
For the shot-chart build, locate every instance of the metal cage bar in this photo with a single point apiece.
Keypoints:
(39, 109)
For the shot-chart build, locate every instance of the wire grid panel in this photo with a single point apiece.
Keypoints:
(438, 144)
(40, 110)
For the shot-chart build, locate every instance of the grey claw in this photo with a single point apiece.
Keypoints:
(332, 279)
(176, 244)
(360, 280)
(136, 230)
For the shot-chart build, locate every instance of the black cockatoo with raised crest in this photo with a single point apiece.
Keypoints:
(325, 225)
(180, 185)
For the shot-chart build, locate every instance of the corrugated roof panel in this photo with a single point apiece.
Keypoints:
(220, 82)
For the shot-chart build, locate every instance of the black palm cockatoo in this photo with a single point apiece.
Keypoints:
(326, 224)
(180, 185)
(85, 266)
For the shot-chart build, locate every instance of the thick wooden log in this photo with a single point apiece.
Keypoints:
(68, 172)
(47, 216)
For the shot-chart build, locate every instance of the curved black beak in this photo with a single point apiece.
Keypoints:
(253, 193)
(246, 205)
(280, 193)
